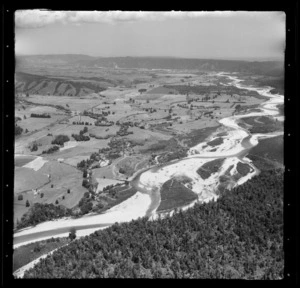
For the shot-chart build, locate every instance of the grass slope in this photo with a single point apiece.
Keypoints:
(210, 167)
(268, 153)
(174, 194)
(27, 253)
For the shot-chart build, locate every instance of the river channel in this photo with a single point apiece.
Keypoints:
(237, 141)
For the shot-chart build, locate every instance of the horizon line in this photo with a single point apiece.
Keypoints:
(172, 57)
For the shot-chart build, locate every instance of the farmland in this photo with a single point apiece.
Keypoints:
(92, 130)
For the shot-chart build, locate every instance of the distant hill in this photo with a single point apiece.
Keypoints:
(269, 68)
(52, 59)
(44, 85)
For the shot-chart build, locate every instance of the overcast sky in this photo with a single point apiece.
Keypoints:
(219, 35)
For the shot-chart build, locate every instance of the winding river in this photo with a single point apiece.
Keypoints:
(234, 147)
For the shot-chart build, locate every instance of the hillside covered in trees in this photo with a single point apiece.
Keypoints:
(238, 236)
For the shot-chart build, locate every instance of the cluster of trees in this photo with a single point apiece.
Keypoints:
(35, 115)
(113, 190)
(18, 119)
(84, 164)
(85, 183)
(51, 149)
(92, 135)
(18, 130)
(85, 204)
(81, 123)
(150, 110)
(103, 123)
(80, 136)
(123, 131)
(60, 140)
(238, 236)
(34, 147)
(85, 129)
(42, 212)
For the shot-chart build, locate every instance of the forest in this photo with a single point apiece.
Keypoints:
(238, 236)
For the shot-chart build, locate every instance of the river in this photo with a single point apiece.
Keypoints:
(234, 148)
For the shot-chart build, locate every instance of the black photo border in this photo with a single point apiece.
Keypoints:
(291, 125)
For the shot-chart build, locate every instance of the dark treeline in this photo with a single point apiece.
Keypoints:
(198, 89)
(238, 236)
(34, 115)
(51, 150)
(42, 212)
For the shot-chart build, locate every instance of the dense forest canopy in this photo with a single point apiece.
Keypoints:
(238, 236)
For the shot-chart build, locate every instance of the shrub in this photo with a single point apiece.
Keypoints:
(34, 147)
(27, 203)
(42, 195)
(18, 130)
(69, 191)
(72, 234)
(37, 248)
(85, 183)
(56, 202)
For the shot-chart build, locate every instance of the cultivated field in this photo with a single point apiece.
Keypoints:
(137, 118)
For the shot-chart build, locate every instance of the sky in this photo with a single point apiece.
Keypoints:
(215, 35)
